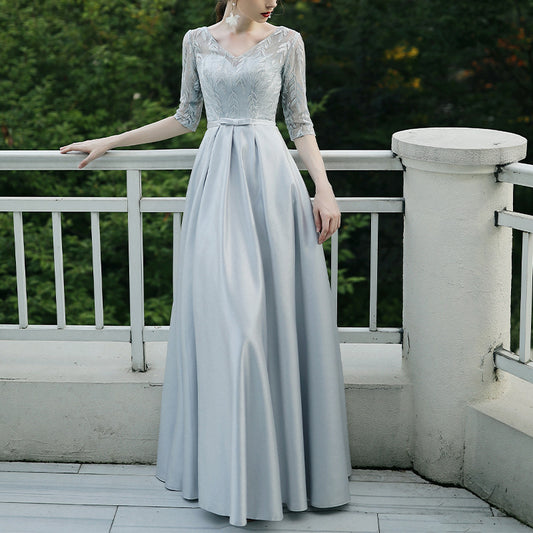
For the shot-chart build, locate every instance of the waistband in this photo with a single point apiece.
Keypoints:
(239, 122)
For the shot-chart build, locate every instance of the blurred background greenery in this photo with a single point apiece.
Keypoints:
(73, 69)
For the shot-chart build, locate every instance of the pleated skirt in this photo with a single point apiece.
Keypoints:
(253, 412)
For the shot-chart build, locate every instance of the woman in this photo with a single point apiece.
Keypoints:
(253, 411)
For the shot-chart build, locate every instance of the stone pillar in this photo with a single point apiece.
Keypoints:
(457, 281)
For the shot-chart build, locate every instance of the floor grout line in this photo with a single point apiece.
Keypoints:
(113, 521)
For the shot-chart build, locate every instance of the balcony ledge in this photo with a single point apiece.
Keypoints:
(82, 402)
(499, 437)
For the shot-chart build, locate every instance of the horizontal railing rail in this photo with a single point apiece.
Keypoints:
(133, 162)
(519, 364)
(181, 159)
(517, 173)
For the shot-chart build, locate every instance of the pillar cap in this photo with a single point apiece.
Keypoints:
(460, 146)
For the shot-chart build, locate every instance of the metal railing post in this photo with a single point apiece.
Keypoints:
(59, 270)
(135, 254)
(374, 224)
(21, 269)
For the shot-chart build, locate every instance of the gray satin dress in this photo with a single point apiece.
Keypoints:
(253, 411)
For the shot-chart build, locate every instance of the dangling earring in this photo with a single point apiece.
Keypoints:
(232, 18)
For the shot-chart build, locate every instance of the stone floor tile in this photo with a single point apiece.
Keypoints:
(413, 498)
(90, 489)
(451, 523)
(58, 468)
(386, 476)
(146, 519)
(123, 470)
(42, 518)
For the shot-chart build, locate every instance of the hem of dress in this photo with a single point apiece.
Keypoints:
(237, 523)
(330, 505)
(175, 489)
(221, 513)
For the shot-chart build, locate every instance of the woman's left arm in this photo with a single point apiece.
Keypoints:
(325, 209)
(302, 133)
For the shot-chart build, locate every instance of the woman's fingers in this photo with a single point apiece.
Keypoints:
(74, 147)
(78, 147)
(325, 232)
(329, 225)
(94, 148)
(316, 215)
(84, 146)
(326, 213)
(65, 149)
(323, 223)
(92, 155)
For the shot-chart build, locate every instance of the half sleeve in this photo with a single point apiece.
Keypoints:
(293, 92)
(191, 99)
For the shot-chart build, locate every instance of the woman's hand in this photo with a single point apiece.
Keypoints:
(156, 131)
(326, 212)
(95, 148)
(325, 209)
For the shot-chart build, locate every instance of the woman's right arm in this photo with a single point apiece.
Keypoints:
(185, 120)
(156, 131)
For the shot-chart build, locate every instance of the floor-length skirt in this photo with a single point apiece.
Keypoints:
(253, 411)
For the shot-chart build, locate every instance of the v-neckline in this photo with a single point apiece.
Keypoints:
(249, 49)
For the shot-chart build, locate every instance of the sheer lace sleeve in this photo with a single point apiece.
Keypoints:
(293, 95)
(191, 99)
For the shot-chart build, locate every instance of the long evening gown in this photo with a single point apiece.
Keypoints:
(253, 411)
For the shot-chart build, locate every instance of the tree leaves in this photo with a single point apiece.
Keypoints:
(75, 69)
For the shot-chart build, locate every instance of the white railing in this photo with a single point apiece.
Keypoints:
(520, 364)
(134, 162)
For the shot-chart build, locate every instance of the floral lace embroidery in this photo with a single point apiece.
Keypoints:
(245, 86)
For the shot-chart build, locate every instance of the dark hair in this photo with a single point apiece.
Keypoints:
(220, 8)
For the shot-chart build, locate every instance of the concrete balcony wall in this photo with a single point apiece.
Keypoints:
(81, 402)
(378, 401)
(78, 401)
(471, 424)
(499, 447)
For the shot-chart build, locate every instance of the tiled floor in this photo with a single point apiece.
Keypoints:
(73, 498)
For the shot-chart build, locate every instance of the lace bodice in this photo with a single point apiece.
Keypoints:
(245, 86)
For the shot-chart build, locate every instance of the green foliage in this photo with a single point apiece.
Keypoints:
(415, 64)
(73, 69)
(70, 70)
(407, 64)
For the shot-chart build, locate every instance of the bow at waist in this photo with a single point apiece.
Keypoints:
(239, 122)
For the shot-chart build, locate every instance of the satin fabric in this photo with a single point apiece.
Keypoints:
(253, 409)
